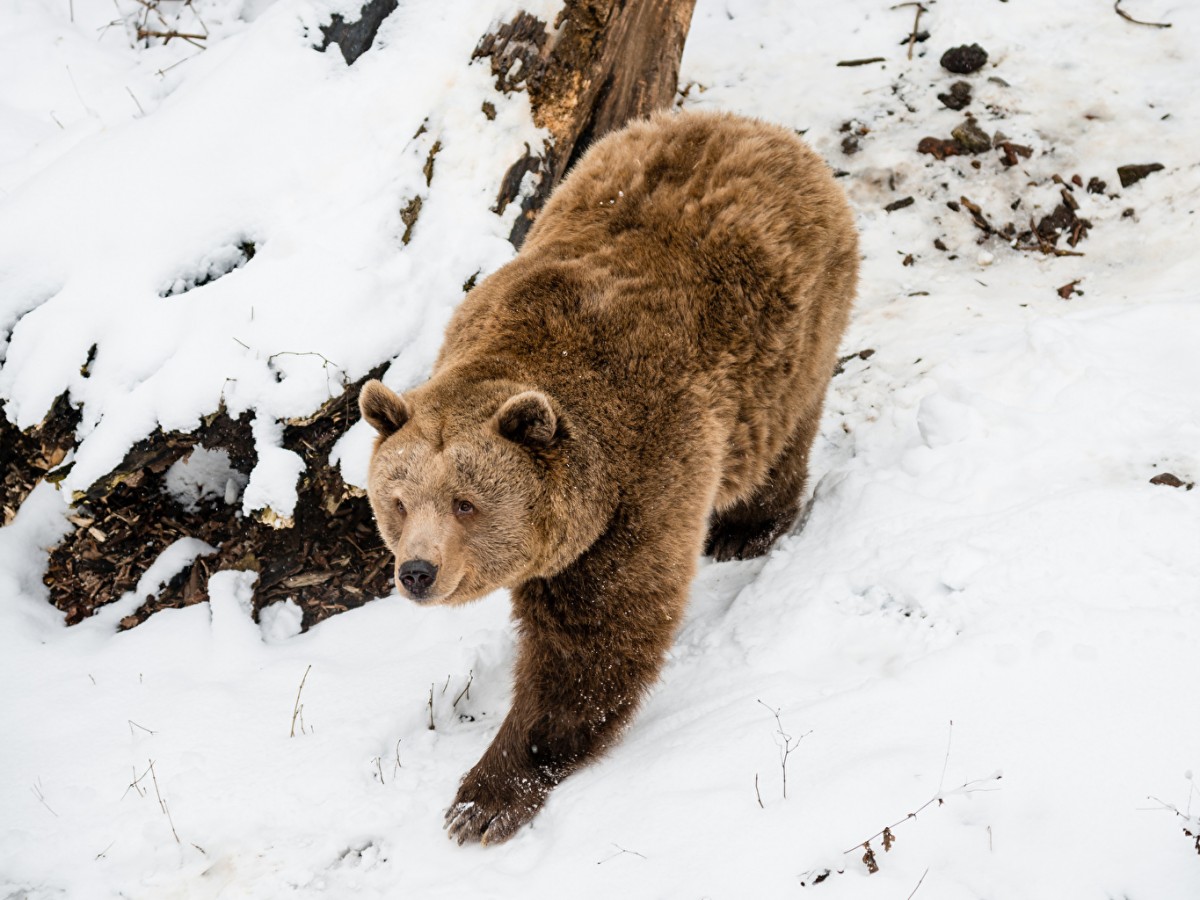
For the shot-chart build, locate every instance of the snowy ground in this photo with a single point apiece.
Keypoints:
(984, 546)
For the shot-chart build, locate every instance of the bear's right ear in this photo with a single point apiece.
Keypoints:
(383, 408)
(527, 419)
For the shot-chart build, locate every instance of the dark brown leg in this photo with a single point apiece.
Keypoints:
(749, 528)
(592, 640)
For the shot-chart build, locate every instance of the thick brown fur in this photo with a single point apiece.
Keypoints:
(642, 383)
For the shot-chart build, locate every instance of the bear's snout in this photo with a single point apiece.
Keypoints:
(417, 576)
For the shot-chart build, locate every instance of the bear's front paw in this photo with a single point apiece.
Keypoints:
(490, 808)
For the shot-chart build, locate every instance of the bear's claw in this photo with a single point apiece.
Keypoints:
(493, 815)
(468, 822)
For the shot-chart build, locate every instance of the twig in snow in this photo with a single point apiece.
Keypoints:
(848, 63)
(1191, 826)
(946, 761)
(135, 100)
(298, 708)
(922, 878)
(163, 803)
(466, 690)
(162, 73)
(82, 102)
(788, 745)
(912, 37)
(1128, 18)
(431, 707)
(397, 768)
(756, 793)
(167, 35)
(379, 766)
(889, 836)
(37, 792)
(136, 783)
(133, 725)
(100, 855)
(620, 850)
(1043, 245)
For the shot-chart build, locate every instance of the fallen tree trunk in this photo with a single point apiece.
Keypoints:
(602, 63)
(606, 63)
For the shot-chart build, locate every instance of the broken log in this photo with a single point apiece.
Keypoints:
(604, 63)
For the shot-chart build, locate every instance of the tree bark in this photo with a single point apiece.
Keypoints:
(605, 63)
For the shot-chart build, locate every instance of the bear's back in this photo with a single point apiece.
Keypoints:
(698, 265)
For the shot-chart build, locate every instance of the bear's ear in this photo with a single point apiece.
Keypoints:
(528, 419)
(383, 408)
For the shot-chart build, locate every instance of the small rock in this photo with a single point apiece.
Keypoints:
(850, 144)
(965, 59)
(959, 96)
(940, 148)
(1096, 186)
(1069, 289)
(1168, 480)
(1133, 174)
(973, 138)
(1011, 152)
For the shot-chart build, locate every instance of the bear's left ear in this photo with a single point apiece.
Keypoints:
(528, 419)
(383, 408)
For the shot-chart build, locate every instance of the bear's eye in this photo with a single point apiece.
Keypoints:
(463, 507)
(400, 507)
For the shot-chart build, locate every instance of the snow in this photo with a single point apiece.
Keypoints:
(983, 546)
(204, 475)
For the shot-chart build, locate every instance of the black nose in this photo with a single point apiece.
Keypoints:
(418, 576)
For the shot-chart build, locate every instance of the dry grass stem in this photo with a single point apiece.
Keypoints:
(298, 708)
(789, 744)
(37, 792)
(162, 804)
(466, 691)
(620, 850)
(919, 880)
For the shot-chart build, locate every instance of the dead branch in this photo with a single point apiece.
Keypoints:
(848, 63)
(620, 850)
(167, 35)
(888, 831)
(37, 792)
(786, 748)
(1128, 18)
(919, 880)
(912, 37)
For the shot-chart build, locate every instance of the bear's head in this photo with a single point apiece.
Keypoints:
(467, 484)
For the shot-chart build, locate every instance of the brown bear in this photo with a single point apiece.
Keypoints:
(641, 383)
